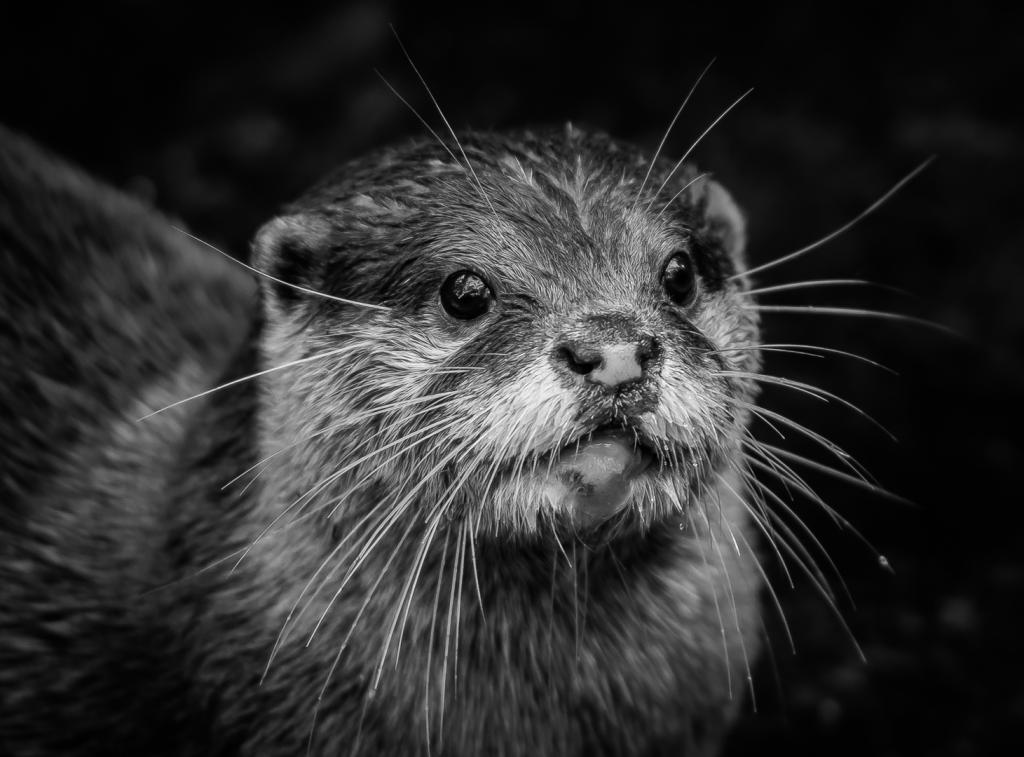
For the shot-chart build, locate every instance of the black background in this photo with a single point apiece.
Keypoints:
(219, 113)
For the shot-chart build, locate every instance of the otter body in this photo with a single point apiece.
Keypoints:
(472, 484)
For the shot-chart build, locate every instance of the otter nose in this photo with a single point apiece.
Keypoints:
(609, 365)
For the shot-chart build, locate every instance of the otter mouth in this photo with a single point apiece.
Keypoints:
(598, 468)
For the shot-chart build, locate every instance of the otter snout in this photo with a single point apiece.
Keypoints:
(609, 364)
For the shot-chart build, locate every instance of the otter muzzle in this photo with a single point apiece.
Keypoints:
(597, 473)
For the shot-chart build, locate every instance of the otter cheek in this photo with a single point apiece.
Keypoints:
(598, 474)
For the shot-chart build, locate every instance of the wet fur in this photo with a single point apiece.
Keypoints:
(632, 639)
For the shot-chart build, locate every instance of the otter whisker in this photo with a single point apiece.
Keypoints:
(488, 480)
(362, 608)
(399, 432)
(374, 538)
(808, 565)
(405, 597)
(551, 600)
(418, 435)
(735, 608)
(192, 575)
(844, 457)
(768, 584)
(476, 576)
(379, 513)
(854, 313)
(751, 348)
(816, 283)
(692, 147)
(243, 379)
(350, 421)
(585, 565)
(702, 459)
(798, 547)
(810, 390)
(296, 287)
(214, 563)
(498, 459)
(332, 557)
(455, 138)
(422, 120)
(437, 513)
(798, 349)
(668, 131)
(558, 542)
(575, 600)
(397, 510)
(359, 728)
(770, 463)
(718, 608)
(799, 553)
(747, 406)
(452, 370)
(828, 470)
(760, 512)
(564, 434)
(791, 541)
(813, 496)
(304, 499)
(682, 189)
(430, 642)
(842, 229)
(407, 594)
(458, 608)
(447, 642)
(515, 463)
(369, 544)
(767, 460)
(369, 475)
(527, 449)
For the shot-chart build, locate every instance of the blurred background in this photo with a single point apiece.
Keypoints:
(218, 113)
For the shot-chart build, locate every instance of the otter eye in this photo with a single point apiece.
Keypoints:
(464, 295)
(680, 279)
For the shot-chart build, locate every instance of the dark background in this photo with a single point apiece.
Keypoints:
(219, 113)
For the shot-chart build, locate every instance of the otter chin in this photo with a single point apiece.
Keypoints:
(595, 474)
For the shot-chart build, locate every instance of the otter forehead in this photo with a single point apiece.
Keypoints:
(544, 216)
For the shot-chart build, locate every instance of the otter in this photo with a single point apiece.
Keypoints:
(463, 475)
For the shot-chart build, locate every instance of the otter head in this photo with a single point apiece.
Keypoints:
(551, 335)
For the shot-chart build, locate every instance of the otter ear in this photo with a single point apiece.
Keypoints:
(289, 251)
(725, 219)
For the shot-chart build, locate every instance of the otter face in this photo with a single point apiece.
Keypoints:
(547, 339)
